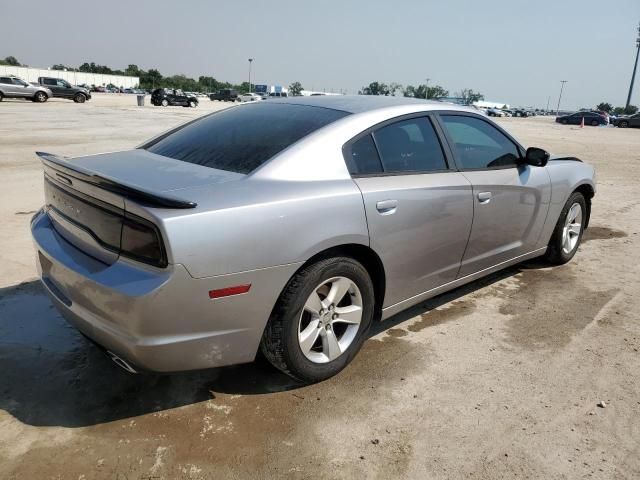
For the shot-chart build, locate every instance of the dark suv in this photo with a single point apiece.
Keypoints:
(168, 96)
(63, 89)
(225, 95)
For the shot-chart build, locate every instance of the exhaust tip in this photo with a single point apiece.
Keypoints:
(121, 362)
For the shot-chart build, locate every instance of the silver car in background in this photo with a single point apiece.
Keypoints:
(291, 225)
(15, 87)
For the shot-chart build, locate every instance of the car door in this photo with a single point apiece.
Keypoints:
(21, 88)
(510, 198)
(8, 87)
(634, 121)
(419, 211)
(52, 85)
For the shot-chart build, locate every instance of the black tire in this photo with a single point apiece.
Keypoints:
(555, 255)
(280, 338)
(595, 123)
(623, 124)
(564, 121)
(79, 98)
(1, 96)
(40, 97)
(165, 102)
(193, 104)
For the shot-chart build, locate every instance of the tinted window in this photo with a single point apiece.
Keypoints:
(5, 80)
(243, 138)
(478, 144)
(362, 157)
(410, 146)
(50, 81)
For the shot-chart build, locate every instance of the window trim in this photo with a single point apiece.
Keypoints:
(451, 143)
(427, 115)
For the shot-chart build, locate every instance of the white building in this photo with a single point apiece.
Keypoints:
(487, 104)
(76, 78)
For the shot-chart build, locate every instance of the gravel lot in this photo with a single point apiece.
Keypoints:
(498, 379)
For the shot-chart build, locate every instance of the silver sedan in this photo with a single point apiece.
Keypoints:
(291, 225)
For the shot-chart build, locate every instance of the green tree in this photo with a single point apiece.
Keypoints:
(11, 60)
(295, 89)
(468, 96)
(631, 110)
(436, 92)
(604, 107)
(375, 88)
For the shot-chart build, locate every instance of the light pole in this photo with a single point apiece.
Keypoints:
(426, 93)
(250, 62)
(635, 67)
(560, 97)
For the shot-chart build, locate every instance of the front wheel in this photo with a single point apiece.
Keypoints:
(567, 234)
(193, 104)
(79, 98)
(595, 123)
(40, 97)
(623, 124)
(321, 320)
(564, 122)
(165, 103)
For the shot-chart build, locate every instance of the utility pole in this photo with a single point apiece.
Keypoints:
(426, 93)
(250, 62)
(548, 100)
(560, 97)
(635, 67)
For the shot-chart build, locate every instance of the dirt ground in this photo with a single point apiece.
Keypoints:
(498, 379)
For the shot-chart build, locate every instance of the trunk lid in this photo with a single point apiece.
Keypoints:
(86, 199)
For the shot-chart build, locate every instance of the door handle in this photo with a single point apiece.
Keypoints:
(484, 197)
(387, 207)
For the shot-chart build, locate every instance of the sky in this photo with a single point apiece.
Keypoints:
(513, 51)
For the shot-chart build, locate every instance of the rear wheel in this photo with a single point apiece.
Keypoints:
(567, 234)
(320, 320)
(79, 98)
(564, 121)
(193, 104)
(595, 123)
(165, 102)
(1, 96)
(623, 124)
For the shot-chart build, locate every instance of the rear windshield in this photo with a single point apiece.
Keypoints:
(241, 139)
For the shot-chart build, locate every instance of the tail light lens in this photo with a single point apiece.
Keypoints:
(141, 241)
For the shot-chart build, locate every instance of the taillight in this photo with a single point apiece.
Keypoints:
(141, 241)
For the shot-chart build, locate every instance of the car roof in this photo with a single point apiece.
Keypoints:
(364, 103)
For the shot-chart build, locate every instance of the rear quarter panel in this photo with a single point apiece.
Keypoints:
(253, 224)
(566, 176)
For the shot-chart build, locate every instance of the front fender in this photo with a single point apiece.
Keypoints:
(567, 176)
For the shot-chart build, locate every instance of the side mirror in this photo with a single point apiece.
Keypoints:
(536, 157)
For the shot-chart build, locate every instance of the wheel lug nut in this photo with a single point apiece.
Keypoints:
(334, 316)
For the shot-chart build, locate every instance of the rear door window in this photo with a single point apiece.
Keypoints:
(240, 139)
(410, 146)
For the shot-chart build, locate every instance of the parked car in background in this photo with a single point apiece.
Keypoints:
(495, 112)
(168, 96)
(14, 87)
(63, 89)
(590, 118)
(627, 121)
(291, 226)
(250, 97)
(520, 112)
(225, 95)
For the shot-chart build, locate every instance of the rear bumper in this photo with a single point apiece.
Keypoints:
(158, 319)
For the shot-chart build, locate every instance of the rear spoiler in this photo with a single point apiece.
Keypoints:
(68, 169)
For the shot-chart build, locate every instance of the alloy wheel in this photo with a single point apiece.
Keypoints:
(330, 320)
(572, 228)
